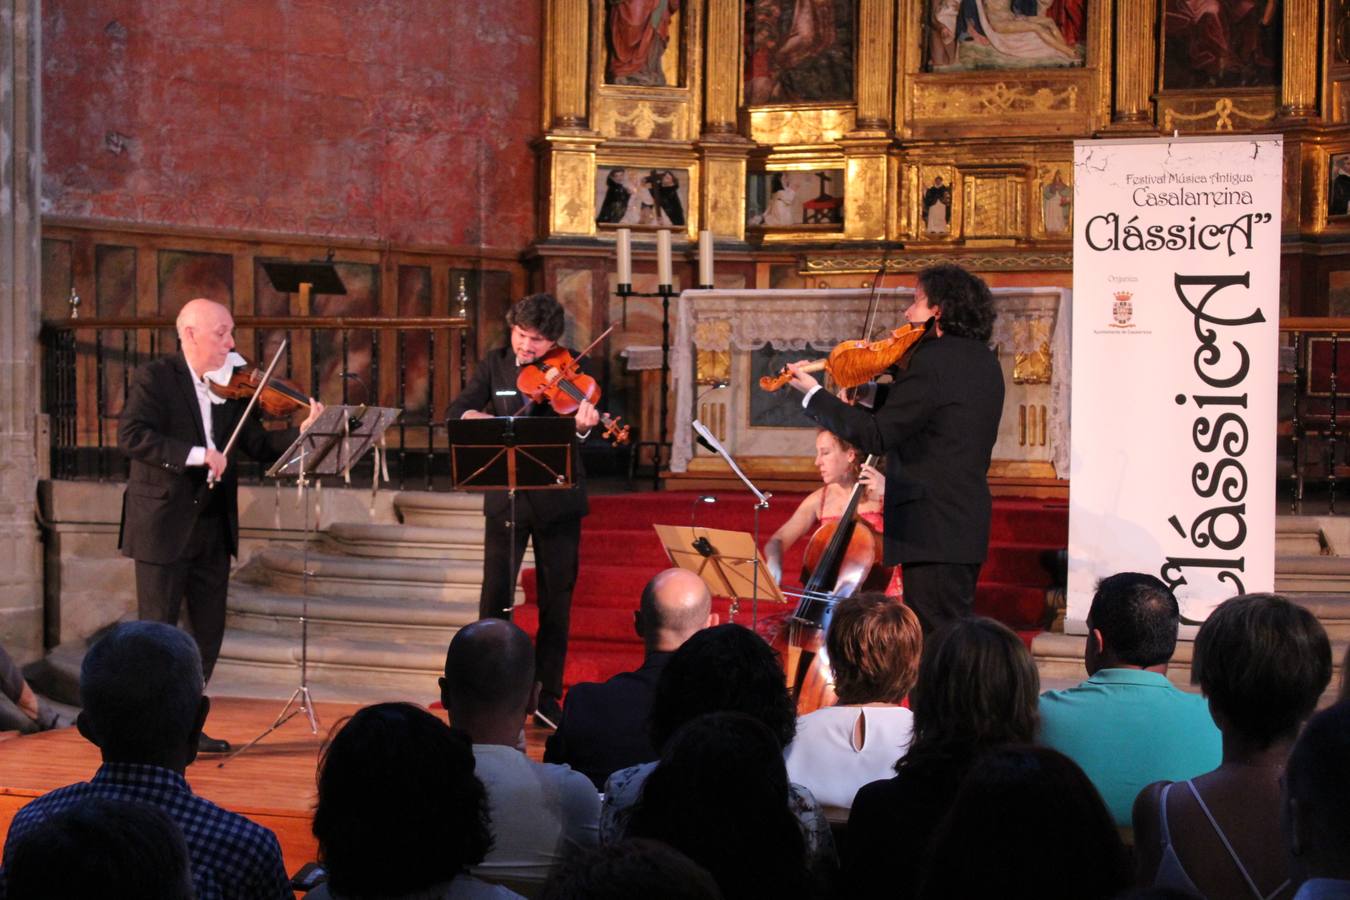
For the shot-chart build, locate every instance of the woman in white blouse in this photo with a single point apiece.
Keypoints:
(874, 643)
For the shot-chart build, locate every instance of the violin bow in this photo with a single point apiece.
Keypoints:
(252, 401)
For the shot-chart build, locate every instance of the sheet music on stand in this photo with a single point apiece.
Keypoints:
(336, 441)
(725, 560)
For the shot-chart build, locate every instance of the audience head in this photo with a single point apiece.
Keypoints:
(874, 643)
(541, 313)
(1014, 802)
(1262, 662)
(631, 868)
(675, 604)
(1132, 622)
(977, 688)
(1316, 815)
(141, 693)
(965, 306)
(101, 848)
(399, 807)
(720, 795)
(489, 672)
(726, 668)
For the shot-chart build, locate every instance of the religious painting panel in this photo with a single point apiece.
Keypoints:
(413, 348)
(58, 278)
(934, 207)
(1054, 195)
(115, 290)
(1338, 293)
(795, 200)
(643, 44)
(968, 35)
(1338, 189)
(185, 275)
(1221, 45)
(641, 197)
(799, 51)
(339, 353)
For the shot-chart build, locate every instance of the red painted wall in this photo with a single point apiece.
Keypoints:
(407, 121)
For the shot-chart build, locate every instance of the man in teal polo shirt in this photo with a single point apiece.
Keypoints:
(1127, 726)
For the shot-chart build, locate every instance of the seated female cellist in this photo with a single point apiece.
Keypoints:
(841, 467)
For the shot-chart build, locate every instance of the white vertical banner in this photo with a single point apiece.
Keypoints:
(1176, 286)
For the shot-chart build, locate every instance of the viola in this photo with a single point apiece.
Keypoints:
(852, 363)
(279, 398)
(556, 378)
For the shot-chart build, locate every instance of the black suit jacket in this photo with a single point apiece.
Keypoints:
(936, 426)
(492, 389)
(160, 423)
(604, 725)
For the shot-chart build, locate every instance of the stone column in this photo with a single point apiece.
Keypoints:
(1135, 64)
(20, 233)
(1298, 86)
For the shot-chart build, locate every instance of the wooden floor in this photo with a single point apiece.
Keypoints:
(272, 783)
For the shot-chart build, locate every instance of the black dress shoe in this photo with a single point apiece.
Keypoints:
(208, 744)
(548, 713)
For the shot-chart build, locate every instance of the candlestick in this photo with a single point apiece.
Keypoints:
(705, 259)
(624, 246)
(663, 257)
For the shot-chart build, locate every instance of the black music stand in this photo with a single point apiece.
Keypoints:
(315, 277)
(526, 453)
(335, 441)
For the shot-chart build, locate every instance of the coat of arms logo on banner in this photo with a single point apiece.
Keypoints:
(1122, 310)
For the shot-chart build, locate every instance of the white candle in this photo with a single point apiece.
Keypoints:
(625, 251)
(663, 257)
(705, 258)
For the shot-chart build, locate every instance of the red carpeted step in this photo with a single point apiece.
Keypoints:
(1016, 564)
(1017, 606)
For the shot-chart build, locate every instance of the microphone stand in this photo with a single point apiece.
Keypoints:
(762, 502)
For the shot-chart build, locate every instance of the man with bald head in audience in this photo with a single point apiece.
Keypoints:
(604, 725)
(174, 431)
(540, 812)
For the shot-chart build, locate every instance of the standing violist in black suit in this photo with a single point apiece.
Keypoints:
(551, 518)
(181, 534)
(936, 423)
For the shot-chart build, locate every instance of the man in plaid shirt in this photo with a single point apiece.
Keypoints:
(141, 688)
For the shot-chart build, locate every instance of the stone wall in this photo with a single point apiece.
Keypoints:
(406, 121)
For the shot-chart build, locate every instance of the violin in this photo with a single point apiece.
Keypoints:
(279, 398)
(556, 377)
(852, 363)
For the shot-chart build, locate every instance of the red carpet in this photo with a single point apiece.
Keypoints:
(620, 552)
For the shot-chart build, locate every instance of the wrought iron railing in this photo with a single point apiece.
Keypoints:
(415, 364)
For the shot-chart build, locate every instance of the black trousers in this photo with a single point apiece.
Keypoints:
(555, 560)
(939, 592)
(201, 577)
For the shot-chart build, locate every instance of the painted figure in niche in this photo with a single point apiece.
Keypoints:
(798, 50)
(638, 34)
(784, 193)
(1221, 43)
(1338, 198)
(665, 191)
(614, 206)
(1056, 203)
(937, 207)
(1002, 34)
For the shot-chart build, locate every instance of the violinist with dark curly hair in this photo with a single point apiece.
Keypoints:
(936, 424)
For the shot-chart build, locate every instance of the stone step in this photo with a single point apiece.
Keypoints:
(1059, 659)
(359, 618)
(449, 509)
(282, 569)
(1299, 536)
(1332, 610)
(1312, 574)
(409, 541)
(402, 668)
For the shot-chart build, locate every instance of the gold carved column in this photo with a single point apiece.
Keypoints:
(567, 149)
(1298, 86)
(1136, 23)
(565, 63)
(722, 150)
(876, 63)
(867, 147)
